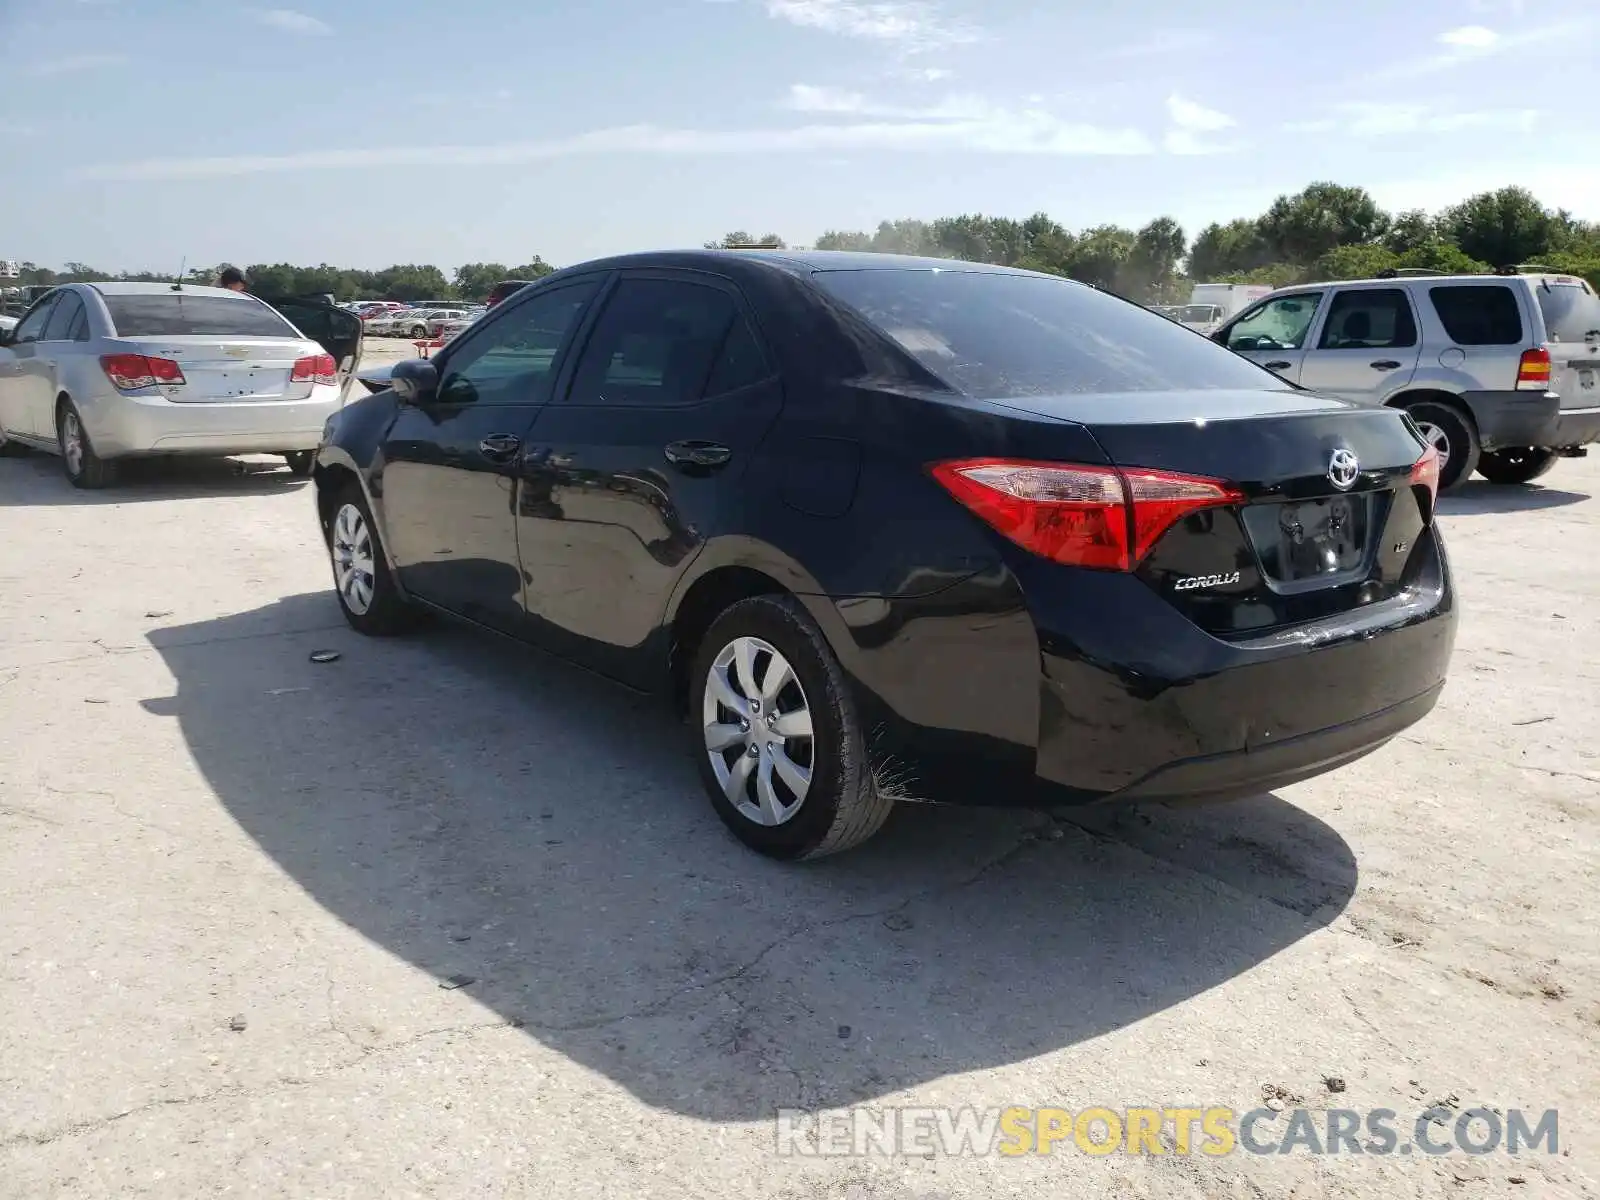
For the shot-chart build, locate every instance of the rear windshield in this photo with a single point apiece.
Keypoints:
(1571, 314)
(175, 315)
(999, 336)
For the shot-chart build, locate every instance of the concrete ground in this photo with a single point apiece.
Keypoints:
(235, 884)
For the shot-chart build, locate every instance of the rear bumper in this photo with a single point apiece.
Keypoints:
(120, 425)
(1035, 685)
(1531, 419)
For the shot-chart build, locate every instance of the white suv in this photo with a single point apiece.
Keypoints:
(1500, 372)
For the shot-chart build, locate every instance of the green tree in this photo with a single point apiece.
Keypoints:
(412, 281)
(840, 239)
(537, 269)
(474, 280)
(1502, 228)
(741, 238)
(1100, 256)
(1361, 261)
(1151, 271)
(1410, 230)
(1235, 248)
(1303, 227)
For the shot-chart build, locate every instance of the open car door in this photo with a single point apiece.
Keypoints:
(337, 330)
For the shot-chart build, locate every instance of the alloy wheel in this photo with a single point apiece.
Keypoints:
(72, 441)
(1438, 439)
(758, 731)
(352, 550)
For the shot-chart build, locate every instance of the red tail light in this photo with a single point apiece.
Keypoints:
(1533, 373)
(1426, 474)
(315, 368)
(129, 371)
(1099, 517)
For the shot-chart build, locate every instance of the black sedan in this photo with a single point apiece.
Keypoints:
(890, 527)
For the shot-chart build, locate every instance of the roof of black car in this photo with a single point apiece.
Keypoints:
(796, 261)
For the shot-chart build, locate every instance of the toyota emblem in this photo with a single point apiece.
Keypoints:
(1343, 468)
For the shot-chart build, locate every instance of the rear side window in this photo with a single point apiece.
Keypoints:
(996, 335)
(1571, 312)
(176, 315)
(1369, 319)
(68, 310)
(655, 344)
(1478, 315)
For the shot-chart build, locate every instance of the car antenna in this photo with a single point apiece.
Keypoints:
(183, 264)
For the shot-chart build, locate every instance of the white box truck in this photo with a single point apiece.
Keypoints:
(1231, 298)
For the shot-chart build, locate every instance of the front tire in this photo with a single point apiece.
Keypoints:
(418, 332)
(301, 462)
(780, 746)
(1520, 464)
(366, 592)
(83, 467)
(1452, 435)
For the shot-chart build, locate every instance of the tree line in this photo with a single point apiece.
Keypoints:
(409, 281)
(1326, 231)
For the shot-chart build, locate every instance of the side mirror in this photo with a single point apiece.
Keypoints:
(1220, 337)
(414, 380)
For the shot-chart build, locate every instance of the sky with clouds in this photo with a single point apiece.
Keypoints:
(139, 133)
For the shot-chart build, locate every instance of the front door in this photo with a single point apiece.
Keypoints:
(629, 472)
(1367, 346)
(449, 464)
(1273, 332)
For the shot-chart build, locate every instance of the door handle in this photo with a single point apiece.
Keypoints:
(500, 447)
(1278, 365)
(1385, 364)
(697, 454)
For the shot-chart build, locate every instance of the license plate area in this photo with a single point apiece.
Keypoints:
(1586, 379)
(1309, 544)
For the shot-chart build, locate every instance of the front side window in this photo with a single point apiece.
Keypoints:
(513, 360)
(173, 314)
(999, 335)
(657, 344)
(32, 325)
(1278, 324)
(1369, 319)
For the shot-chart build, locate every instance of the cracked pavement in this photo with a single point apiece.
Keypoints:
(201, 828)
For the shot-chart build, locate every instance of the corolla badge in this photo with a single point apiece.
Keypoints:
(1191, 582)
(1343, 467)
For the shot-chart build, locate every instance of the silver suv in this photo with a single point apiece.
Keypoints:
(1500, 372)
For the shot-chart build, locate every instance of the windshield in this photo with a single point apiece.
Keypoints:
(1571, 312)
(175, 315)
(1000, 335)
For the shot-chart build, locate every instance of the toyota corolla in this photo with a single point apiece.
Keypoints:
(889, 527)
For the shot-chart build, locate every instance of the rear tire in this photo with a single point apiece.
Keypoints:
(83, 467)
(366, 592)
(418, 332)
(780, 747)
(1452, 435)
(301, 462)
(1520, 464)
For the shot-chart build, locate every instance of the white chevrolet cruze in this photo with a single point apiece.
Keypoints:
(98, 372)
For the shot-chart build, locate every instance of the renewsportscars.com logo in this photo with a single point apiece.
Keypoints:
(1212, 1132)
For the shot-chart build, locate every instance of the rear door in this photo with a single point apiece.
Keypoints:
(336, 330)
(1366, 344)
(1572, 324)
(1273, 332)
(626, 475)
(450, 465)
(23, 379)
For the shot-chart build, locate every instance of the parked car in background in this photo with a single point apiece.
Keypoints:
(505, 289)
(856, 510)
(7, 324)
(101, 372)
(1498, 371)
(1202, 318)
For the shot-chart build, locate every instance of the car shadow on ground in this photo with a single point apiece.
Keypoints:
(1478, 496)
(35, 480)
(479, 809)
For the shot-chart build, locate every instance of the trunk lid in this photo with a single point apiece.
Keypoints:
(1571, 312)
(219, 370)
(1330, 520)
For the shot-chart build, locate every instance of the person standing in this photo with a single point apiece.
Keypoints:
(231, 278)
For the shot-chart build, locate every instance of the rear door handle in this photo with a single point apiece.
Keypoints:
(1385, 364)
(697, 454)
(1279, 365)
(500, 447)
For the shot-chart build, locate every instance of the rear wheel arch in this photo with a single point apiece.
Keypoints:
(1464, 461)
(706, 599)
(331, 479)
(1428, 395)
